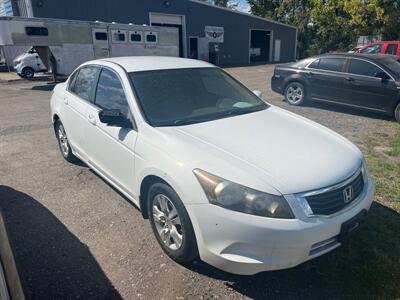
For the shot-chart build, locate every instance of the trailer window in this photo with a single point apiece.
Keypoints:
(101, 36)
(41, 31)
(119, 37)
(152, 38)
(136, 37)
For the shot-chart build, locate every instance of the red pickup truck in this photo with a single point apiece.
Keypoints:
(388, 47)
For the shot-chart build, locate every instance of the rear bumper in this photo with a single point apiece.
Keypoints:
(277, 84)
(246, 244)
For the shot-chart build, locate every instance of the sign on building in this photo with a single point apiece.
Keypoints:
(214, 34)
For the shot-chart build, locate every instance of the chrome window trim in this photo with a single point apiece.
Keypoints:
(301, 197)
(336, 72)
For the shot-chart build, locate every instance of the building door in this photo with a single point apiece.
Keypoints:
(277, 52)
(176, 21)
(193, 47)
(260, 45)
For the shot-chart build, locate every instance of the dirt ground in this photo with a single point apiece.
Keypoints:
(76, 237)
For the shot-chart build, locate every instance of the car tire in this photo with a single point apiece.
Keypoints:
(27, 72)
(397, 112)
(171, 224)
(63, 142)
(295, 93)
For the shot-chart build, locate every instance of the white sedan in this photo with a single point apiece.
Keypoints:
(220, 173)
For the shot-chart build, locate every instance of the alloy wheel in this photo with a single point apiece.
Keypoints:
(294, 93)
(167, 222)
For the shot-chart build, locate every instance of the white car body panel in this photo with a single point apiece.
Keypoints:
(272, 150)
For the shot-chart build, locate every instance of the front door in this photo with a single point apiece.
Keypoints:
(101, 47)
(364, 89)
(111, 148)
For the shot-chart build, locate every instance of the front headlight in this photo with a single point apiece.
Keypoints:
(17, 62)
(239, 198)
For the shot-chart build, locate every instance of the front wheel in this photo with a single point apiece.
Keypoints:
(171, 223)
(295, 93)
(27, 72)
(397, 112)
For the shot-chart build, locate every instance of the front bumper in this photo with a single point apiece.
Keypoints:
(245, 244)
(18, 68)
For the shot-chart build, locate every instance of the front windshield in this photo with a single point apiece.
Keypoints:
(186, 96)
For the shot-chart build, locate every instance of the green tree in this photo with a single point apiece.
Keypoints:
(265, 8)
(332, 25)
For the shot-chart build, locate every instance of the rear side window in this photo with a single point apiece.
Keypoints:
(110, 93)
(71, 81)
(85, 82)
(372, 49)
(391, 49)
(314, 64)
(331, 64)
(361, 67)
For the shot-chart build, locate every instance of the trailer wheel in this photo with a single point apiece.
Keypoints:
(27, 72)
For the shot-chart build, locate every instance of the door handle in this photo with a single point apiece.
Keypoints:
(310, 73)
(349, 78)
(65, 100)
(91, 119)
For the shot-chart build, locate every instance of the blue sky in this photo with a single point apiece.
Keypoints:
(243, 5)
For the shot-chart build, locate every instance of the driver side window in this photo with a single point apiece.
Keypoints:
(110, 93)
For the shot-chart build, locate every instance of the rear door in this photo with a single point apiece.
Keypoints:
(78, 95)
(325, 76)
(364, 89)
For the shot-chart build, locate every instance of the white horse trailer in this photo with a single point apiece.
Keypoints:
(62, 45)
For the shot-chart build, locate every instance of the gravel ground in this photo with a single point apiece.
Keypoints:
(74, 236)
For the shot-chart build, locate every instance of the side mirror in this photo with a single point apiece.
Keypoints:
(258, 93)
(382, 75)
(114, 117)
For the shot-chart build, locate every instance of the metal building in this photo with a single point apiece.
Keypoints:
(219, 35)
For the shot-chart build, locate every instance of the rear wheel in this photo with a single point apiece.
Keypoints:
(397, 112)
(171, 223)
(27, 72)
(63, 143)
(295, 93)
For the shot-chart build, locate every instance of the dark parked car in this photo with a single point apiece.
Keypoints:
(368, 81)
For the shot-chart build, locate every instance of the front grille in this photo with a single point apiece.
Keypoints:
(333, 201)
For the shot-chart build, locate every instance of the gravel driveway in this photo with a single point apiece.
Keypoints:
(74, 236)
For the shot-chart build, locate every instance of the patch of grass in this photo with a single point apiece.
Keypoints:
(368, 267)
(395, 151)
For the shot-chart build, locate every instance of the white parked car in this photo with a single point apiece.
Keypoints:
(220, 173)
(29, 63)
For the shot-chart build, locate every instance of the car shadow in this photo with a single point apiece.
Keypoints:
(45, 87)
(366, 267)
(346, 110)
(51, 261)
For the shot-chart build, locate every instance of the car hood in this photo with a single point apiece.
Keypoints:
(292, 154)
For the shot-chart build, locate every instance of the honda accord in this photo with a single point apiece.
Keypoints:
(220, 173)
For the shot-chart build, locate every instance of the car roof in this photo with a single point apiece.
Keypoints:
(150, 63)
